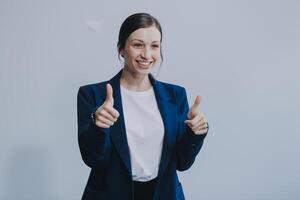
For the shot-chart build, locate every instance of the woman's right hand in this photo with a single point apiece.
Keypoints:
(106, 115)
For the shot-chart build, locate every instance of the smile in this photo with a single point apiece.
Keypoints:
(144, 62)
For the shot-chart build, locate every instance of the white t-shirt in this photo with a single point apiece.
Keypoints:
(145, 132)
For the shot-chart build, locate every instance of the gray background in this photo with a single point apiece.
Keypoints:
(241, 56)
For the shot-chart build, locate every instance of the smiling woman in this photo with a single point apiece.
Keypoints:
(141, 53)
(134, 131)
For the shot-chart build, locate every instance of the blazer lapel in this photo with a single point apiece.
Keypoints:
(167, 108)
(118, 131)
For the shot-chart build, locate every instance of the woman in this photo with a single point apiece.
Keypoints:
(135, 132)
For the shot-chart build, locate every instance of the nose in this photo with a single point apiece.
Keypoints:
(146, 53)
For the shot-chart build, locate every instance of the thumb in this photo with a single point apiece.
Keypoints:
(109, 94)
(194, 109)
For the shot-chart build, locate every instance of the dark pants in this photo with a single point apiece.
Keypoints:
(144, 190)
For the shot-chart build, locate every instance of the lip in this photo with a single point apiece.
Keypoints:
(144, 64)
(149, 61)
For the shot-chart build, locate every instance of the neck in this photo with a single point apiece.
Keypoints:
(134, 81)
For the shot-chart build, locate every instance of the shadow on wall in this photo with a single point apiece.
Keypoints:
(27, 175)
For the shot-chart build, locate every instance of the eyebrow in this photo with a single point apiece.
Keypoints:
(142, 40)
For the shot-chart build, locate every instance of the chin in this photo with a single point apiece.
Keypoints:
(143, 71)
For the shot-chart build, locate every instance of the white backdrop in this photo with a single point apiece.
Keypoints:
(241, 56)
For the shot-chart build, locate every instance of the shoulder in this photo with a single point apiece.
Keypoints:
(176, 94)
(92, 88)
(172, 88)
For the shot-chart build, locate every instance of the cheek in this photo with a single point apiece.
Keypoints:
(132, 54)
(156, 54)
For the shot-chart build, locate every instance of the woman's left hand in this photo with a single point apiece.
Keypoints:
(196, 120)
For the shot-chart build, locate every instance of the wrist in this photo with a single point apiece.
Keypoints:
(93, 117)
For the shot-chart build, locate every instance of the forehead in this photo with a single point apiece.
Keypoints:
(148, 34)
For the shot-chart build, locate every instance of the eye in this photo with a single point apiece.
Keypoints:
(138, 45)
(155, 46)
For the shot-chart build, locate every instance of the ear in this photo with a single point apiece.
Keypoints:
(121, 52)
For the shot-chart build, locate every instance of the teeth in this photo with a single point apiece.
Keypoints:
(144, 62)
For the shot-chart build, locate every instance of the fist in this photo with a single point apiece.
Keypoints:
(106, 115)
(196, 120)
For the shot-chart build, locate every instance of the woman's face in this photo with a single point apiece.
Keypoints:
(142, 50)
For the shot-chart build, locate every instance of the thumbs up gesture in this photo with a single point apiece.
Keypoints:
(196, 120)
(106, 115)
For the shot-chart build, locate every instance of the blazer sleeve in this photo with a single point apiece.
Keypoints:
(188, 144)
(94, 142)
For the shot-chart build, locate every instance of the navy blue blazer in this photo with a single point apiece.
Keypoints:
(106, 151)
